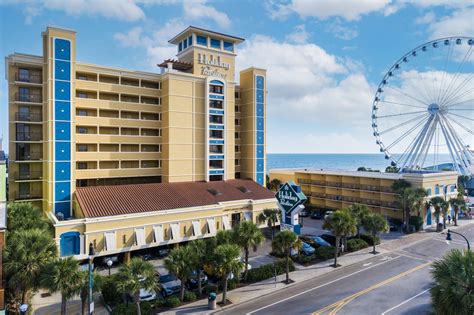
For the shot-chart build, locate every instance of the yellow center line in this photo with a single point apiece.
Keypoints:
(337, 306)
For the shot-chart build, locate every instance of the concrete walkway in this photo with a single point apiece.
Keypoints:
(259, 289)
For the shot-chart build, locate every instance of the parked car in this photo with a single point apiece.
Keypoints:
(307, 249)
(320, 241)
(146, 295)
(169, 284)
(304, 213)
(163, 252)
(316, 215)
(327, 214)
(193, 280)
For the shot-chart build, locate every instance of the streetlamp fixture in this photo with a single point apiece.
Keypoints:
(91, 264)
(23, 308)
(109, 264)
(448, 238)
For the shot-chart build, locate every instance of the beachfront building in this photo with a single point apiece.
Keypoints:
(333, 189)
(77, 128)
(3, 221)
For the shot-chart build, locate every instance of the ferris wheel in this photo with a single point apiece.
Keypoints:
(423, 110)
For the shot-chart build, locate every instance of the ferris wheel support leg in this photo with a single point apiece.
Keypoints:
(448, 142)
(418, 142)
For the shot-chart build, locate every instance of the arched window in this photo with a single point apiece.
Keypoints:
(437, 190)
(428, 191)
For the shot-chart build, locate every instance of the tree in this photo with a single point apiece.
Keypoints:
(275, 184)
(62, 275)
(340, 223)
(200, 256)
(27, 253)
(248, 235)
(83, 287)
(283, 243)
(392, 169)
(444, 210)
(362, 169)
(454, 280)
(437, 203)
(178, 264)
(24, 216)
(136, 275)
(405, 198)
(457, 203)
(375, 223)
(358, 212)
(227, 262)
(271, 217)
(419, 195)
(224, 237)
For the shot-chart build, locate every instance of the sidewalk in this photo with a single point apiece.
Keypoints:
(255, 290)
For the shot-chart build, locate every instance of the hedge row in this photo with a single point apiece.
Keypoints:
(356, 244)
(268, 271)
(370, 239)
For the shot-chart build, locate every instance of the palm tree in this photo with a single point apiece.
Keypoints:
(340, 223)
(358, 212)
(457, 203)
(437, 204)
(271, 217)
(136, 275)
(200, 257)
(452, 292)
(224, 237)
(375, 223)
(227, 262)
(419, 195)
(178, 264)
(83, 287)
(247, 235)
(284, 243)
(444, 210)
(24, 216)
(275, 184)
(62, 275)
(27, 253)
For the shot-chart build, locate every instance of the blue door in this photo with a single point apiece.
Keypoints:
(70, 244)
(428, 216)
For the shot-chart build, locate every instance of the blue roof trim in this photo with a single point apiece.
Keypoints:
(217, 82)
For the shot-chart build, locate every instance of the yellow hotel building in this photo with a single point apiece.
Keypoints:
(80, 130)
(333, 189)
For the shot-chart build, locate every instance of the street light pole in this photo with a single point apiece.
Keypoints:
(448, 238)
(109, 264)
(91, 261)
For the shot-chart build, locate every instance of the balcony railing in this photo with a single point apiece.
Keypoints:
(34, 194)
(29, 136)
(32, 156)
(28, 117)
(372, 188)
(31, 78)
(32, 175)
(28, 98)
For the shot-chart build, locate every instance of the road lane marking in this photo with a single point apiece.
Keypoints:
(406, 301)
(367, 264)
(337, 306)
(323, 285)
(409, 255)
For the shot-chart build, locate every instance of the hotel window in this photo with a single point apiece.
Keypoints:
(216, 134)
(82, 77)
(237, 135)
(237, 95)
(215, 104)
(237, 108)
(228, 46)
(201, 40)
(82, 148)
(428, 192)
(24, 94)
(237, 122)
(216, 149)
(81, 130)
(237, 162)
(217, 89)
(81, 95)
(190, 40)
(24, 75)
(215, 43)
(124, 239)
(180, 46)
(81, 165)
(185, 44)
(237, 148)
(215, 119)
(81, 112)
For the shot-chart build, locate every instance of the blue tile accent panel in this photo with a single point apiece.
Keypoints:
(62, 110)
(216, 172)
(217, 82)
(260, 165)
(260, 152)
(218, 112)
(216, 157)
(216, 141)
(62, 70)
(260, 178)
(260, 96)
(62, 191)
(260, 110)
(62, 171)
(260, 137)
(62, 90)
(260, 123)
(62, 151)
(69, 244)
(216, 97)
(216, 127)
(62, 131)
(63, 207)
(62, 49)
(260, 82)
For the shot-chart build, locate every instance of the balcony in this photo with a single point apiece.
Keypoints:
(31, 78)
(29, 136)
(34, 194)
(28, 98)
(32, 175)
(32, 156)
(28, 117)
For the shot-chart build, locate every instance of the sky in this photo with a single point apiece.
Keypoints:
(324, 58)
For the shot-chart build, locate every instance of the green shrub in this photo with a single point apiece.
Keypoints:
(172, 302)
(304, 260)
(268, 271)
(189, 296)
(123, 309)
(356, 244)
(210, 288)
(324, 252)
(231, 284)
(417, 222)
(369, 239)
(110, 292)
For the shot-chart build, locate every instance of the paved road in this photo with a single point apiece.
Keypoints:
(396, 283)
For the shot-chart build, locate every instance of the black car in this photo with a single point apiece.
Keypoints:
(316, 215)
(193, 283)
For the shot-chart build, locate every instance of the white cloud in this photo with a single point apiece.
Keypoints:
(132, 38)
(428, 18)
(198, 9)
(299, 36)
(461, 22)
(340, 31)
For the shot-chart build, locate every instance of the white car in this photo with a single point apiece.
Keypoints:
(327, 214)
(169, 284)
(146, 295)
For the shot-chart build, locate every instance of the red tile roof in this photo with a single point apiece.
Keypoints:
(100, 201)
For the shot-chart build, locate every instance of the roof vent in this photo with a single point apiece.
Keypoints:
(214, 192)
(243, 189)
